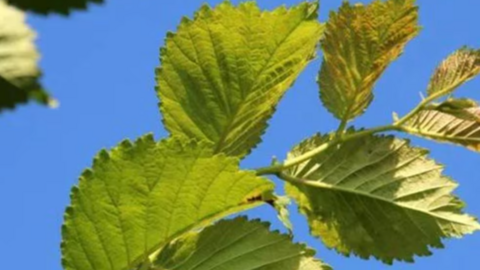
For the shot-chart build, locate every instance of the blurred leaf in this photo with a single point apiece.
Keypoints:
(237, 244)
(360, 42)
(52, 6)
(377, 196)
(19, 72)
(138, 198)
(460, 67)
(224, 72)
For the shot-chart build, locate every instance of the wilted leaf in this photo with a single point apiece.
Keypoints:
(140, 197)
(281, 203)
(52, 6)
(460, 67)
(224, 72)
(360, 42)
(453, 121)
(237, 244)
(377, 196)
(19, 72)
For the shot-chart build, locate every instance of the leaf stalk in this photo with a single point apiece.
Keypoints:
(277, 168)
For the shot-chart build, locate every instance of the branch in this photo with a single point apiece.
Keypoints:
(396, 126)
(277, 168)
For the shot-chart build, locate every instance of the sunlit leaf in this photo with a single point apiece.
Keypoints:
(460, 67)
(224, 72)
(453, 121)
(237, 244)
(52, 6)
(360, 42)
(141, 196)
(19, 72)
(377, 196)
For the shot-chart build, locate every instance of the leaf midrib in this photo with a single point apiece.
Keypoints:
(439, 136)
(208, 219)
(231, 121)
(322, 185)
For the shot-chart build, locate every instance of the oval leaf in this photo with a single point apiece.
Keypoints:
(237, 244)
(360, 42)
(140, 197)
(377, 196)
(224, 72)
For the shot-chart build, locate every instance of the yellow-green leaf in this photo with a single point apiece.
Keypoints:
(460, 67)
(376, 196)
(139, 197)
(223, 73)
(454, 121)
(360, 42)
(237, 244)
(19, 72)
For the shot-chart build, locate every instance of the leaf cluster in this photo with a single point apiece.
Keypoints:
(155, 205)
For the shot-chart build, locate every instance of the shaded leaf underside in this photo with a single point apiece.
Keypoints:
(459, 126)
(360, 42)
(377, 196)
(223, 73)
(140, 196)
(237, 244)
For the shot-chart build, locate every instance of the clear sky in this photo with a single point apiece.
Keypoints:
(100, 66)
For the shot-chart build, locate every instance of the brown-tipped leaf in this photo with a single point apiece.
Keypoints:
(360, 42)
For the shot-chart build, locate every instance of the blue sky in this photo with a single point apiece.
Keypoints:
(100, 66)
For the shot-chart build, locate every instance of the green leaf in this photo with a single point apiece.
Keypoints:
(360, 42)
(52, 6)
(224, 72)
(237, 244)
(141, 196)
(454, 121)
(460, 67)
(19, 72)
(376, 196)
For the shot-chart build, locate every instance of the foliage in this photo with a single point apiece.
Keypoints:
(155, 205)
(19, 73)
(360, 42)
(223, 73)
(211, 248)
(52, 6)
(376, 196)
